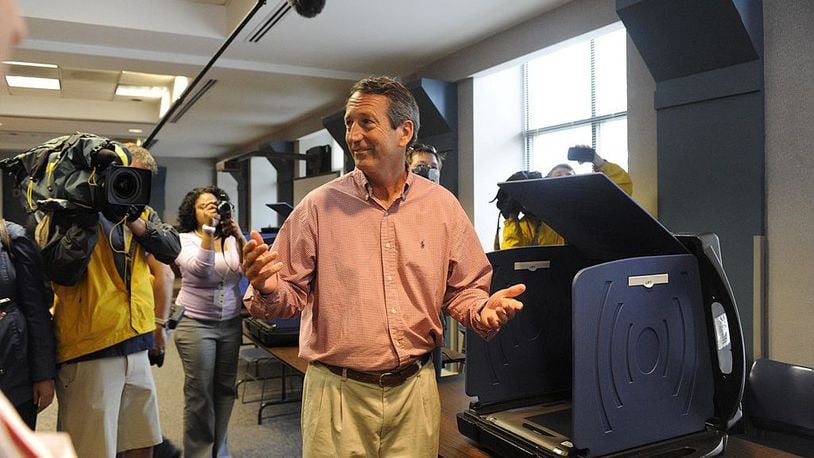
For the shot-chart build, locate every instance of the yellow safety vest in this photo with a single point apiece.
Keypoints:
(98, 312)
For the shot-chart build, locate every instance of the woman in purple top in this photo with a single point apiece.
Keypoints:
(209, 337)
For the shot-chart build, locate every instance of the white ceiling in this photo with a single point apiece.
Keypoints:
(301, 69)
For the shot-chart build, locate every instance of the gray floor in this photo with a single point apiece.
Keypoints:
(278, 436)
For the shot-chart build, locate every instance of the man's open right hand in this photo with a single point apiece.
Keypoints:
(260, 265)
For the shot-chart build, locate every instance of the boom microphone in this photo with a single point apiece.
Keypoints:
(307, 8)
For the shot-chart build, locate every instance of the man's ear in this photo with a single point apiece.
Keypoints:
(405, 130)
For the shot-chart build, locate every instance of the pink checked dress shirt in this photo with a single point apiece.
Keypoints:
(370, 282)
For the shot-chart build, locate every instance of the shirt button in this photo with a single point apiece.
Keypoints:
(387, 245)
(393, 311)
(386, 213)
(389, 278)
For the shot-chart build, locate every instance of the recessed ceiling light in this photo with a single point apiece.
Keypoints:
(29, 64)
(135, 131)
(155, 92)
(31, 82)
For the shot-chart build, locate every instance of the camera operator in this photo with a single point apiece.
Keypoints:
(527, 229)
(104, 319)
(208, 338)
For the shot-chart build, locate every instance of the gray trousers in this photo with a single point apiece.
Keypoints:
(209, 353)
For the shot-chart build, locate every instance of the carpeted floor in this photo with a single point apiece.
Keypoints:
(278, 436)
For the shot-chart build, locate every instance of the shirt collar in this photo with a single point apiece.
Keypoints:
(364, 189)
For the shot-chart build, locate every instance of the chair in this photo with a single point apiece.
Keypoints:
(780, 399)
(252, 359)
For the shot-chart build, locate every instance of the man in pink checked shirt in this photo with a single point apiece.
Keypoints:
(370, 260)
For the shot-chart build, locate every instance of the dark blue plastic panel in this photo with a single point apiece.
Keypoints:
(531, 355)
(594, 215)
(642, 369)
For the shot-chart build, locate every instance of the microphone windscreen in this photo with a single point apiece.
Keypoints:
(307, 8)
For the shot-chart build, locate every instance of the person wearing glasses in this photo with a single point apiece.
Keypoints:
(425, 160)
(370, 260)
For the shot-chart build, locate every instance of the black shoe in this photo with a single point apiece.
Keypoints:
(166, 449)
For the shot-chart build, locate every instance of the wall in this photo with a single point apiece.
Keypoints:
(641, 131)
(789, 64)
(183, 174)
(497, 149)
(262, 190)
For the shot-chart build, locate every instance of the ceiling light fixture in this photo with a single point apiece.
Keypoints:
(29, 64)
(153, 92)
(135, 131)
(31, 82)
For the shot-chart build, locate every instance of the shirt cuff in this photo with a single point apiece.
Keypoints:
(261, 303)
(478, 326)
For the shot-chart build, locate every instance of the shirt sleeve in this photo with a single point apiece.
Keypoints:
(296, 248)
(468, 279)
(160, 239)
(194, 259)
(618, 175)
(71, 240)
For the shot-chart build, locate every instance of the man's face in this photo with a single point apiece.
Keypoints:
(561, 172)
(12, 29)
(373, 142)
(426, 165)
(422, 158)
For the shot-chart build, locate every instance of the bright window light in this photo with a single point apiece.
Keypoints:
(31, 82)
(578, 95)
(179, 86)
(146, 92)
(29, 64)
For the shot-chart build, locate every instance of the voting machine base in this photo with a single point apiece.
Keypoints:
(629, 342)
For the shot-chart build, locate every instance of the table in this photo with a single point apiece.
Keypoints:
(290, 359)
(454, 400)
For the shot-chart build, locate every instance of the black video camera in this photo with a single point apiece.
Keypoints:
(125, 185)
(224, 209)
(581, 153)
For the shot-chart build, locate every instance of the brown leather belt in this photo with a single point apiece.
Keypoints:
(385, 378)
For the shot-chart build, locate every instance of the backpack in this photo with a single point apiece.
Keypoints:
(60, 174)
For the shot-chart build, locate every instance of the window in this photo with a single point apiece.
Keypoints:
(577, 95)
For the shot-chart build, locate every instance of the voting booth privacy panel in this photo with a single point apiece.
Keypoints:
(629, 341)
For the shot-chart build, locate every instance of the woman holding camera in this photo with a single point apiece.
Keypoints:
(209, 337)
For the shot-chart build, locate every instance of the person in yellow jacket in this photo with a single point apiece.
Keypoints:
(104, 322)
(528, 230)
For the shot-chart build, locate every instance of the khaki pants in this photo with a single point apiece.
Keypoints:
(343, 417)
(108, 405)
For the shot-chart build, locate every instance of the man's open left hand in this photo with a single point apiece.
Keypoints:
(502, 306)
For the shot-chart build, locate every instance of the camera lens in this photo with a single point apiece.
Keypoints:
(224, 209)
(126, 186)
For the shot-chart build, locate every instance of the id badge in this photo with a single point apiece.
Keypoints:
(220, 295)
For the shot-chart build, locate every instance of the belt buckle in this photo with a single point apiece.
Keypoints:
(382, 376)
